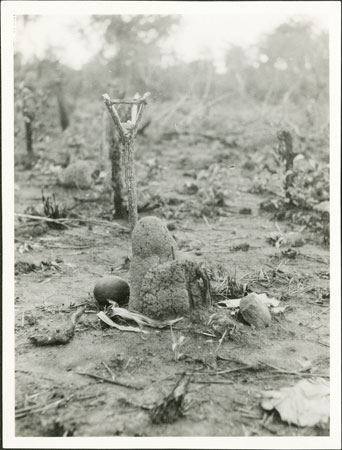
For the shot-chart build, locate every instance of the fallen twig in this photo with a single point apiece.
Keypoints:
(260, 366)
(221, 340)
(236, 369)
(212, 382)
(291, 372)
(109, 371)
(222, 140)
(205, 334)
(107, 380)
(313, 258)
(86, 200)
(65, 221)
(271, 430)
(19, 414)
(323, 343)
(43, 218)
(231, 359)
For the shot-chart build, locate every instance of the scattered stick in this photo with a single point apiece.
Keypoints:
(147, 207)
(205, 334)
(212, 382)
(45, 219)
(107, 380)
(232, 359)
(109, 371)
(210, 137)
(260, 366)
(19, 414)
(313, 258)
(87, 200)
(71, 306)
(65, 221)
(271, 430)
(221, 340)
(291, 372)
(237, 369)
(323, 343)
(206, 221)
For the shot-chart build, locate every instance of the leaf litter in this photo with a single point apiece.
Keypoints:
(305, 404)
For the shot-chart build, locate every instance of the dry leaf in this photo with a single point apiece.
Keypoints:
(139, 319)
(305, 404)
(142, 320)
(101, 315)
(235, 303)
(279, 309)
(268, 301)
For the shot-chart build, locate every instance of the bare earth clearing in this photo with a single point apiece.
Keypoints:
(53, 399)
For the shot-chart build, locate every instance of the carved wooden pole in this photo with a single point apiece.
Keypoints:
(127, 133)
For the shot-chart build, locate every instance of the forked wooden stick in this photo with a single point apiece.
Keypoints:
(127, 132)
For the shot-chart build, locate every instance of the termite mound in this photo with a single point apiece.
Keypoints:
(152, 244)
(78, 174)
(163, 286)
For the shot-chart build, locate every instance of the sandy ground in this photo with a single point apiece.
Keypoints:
(53, 399)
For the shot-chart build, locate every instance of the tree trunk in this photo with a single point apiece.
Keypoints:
(285, 150)
(28, 128)
(62, 109)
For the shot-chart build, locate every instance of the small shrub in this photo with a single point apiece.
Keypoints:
(53, 211)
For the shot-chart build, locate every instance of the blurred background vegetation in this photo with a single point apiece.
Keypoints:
(287, 70)
(279, 82)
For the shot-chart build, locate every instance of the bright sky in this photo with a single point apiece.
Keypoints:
(199, 35)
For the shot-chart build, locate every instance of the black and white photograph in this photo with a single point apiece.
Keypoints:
(171, 224)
